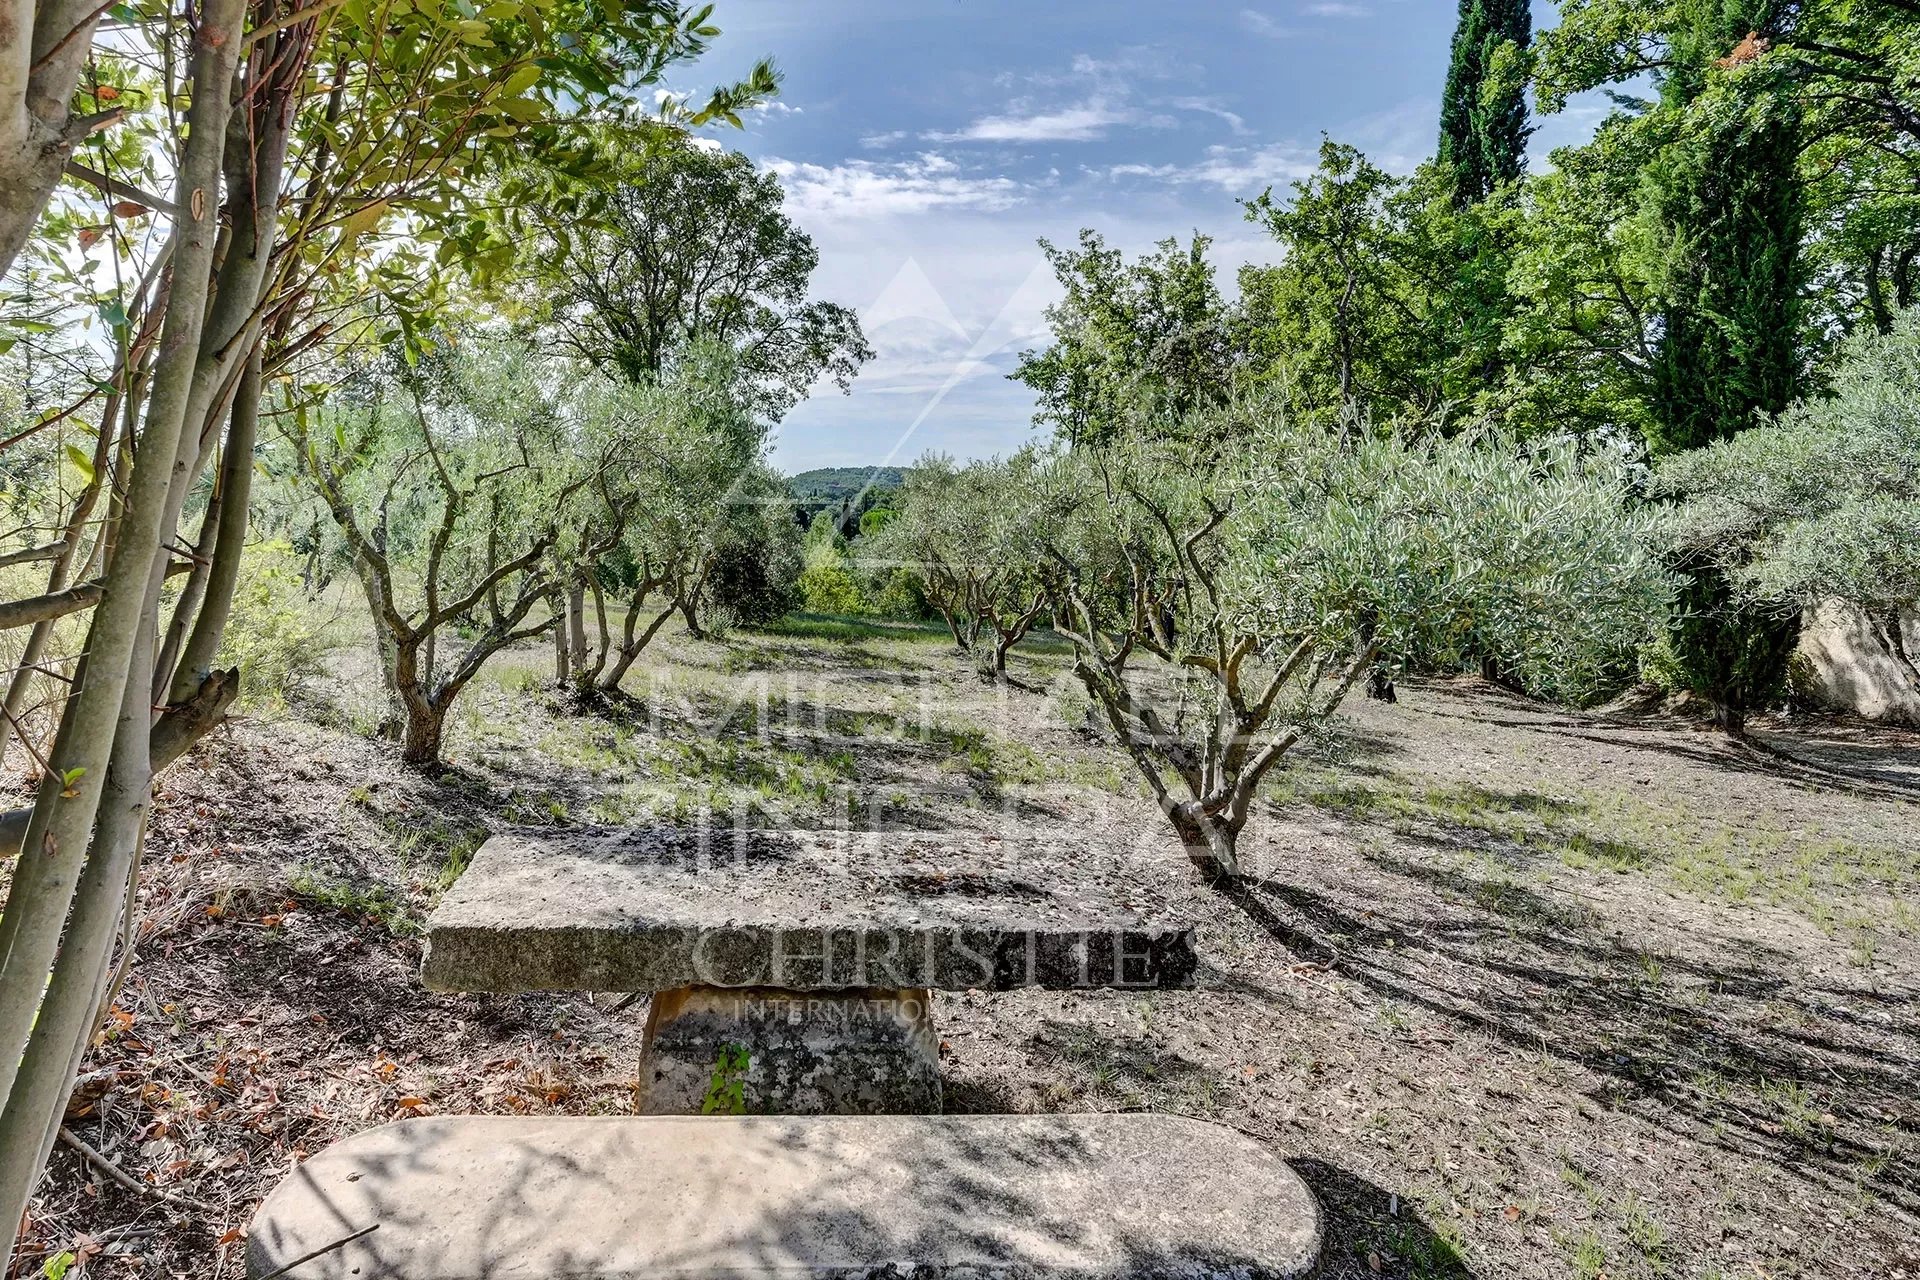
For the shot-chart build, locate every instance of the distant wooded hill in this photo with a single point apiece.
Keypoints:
(836, 484)
(848, 492)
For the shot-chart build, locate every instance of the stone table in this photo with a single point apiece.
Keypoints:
(792, 971)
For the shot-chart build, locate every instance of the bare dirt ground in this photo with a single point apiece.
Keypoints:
(1522, 993)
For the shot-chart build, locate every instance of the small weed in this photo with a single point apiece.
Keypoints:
(727, 1090)
(1588, 1257)
(1433, 1253)
(1646, 1235)
(1792, 1106)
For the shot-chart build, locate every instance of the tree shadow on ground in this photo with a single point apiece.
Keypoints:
(1370, 1232)
(1777, 754)
(1729, 1052)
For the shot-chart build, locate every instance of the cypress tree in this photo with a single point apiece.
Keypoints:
(1483, 111)
(1727, 199)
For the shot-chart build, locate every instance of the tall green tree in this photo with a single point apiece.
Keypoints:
(688, 244)
(1155, 331)
(1729, 197)
(1717, 242)
(1483, 112)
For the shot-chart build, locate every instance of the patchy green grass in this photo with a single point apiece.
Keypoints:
(375, 903)
(1848, 888)
(843, 628)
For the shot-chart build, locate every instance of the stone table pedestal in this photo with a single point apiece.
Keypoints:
(770, 1051)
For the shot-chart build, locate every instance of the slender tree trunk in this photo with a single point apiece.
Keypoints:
(557, 604)
(42, 52)
(236, 492)
(953, 626)
(633, 644)
(187, 605)
(102, 768)
(602, 636)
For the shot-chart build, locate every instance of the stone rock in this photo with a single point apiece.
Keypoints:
(765, 1051)
(839, 1197)
(1844, 665)
(652, 909)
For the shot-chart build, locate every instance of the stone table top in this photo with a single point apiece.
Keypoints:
(654, 909)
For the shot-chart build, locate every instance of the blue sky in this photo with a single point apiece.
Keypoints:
(928, 144)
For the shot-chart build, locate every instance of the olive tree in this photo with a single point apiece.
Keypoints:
(706, 532)
(1824, 502)
(449, 481)
(970, 535)
(1221, 608)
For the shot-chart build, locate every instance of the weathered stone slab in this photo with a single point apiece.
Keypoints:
(651, 909)
(840, 1197)
(767, 1051)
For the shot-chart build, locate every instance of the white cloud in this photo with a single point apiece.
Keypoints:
(864, 189)
(1262, 24)
(1334, 9)
(1238, 171)
(1209, 106)
(876, 141)
(1084, 122)
(1080, 104)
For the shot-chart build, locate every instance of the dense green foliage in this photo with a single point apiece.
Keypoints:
(1268, 578)
(1824, 502)
(1153, 330)
(835, 484)
(849, 494)
(678, 244)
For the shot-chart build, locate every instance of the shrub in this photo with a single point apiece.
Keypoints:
(274, 634)
(1823, 503)
(826, 586)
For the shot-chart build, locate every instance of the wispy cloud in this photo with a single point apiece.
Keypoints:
(1238, 171)
(863, 189)
(1082, 122)
(1084, 102)
(1337, 9)
(1211, 107)
(1263, 24)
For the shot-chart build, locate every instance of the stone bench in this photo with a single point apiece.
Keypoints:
(1006, 1197)
(803, 962)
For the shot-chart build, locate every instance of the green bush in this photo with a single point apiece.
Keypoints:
(826, 586)
(900, 595)
(274, 635)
